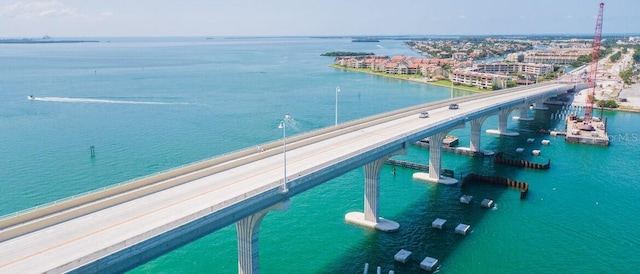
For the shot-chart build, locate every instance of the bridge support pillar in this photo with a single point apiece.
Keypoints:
(474, 142)
(248, 252)
(539, 105)
(435, 162)
(502, 124)
(371, 218)
(523, 114)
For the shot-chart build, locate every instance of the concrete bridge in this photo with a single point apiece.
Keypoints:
(120, 227)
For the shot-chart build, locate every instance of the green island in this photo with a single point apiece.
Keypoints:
(365, 40)
(346, 53)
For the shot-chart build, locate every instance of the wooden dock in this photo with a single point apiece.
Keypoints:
(455, 150)
(421, 167)
(408, 165)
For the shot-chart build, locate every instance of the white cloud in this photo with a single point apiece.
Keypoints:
(58, 12)
(106, 14)
(37, 9)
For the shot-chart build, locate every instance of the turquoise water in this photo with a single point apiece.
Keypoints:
(147, 105)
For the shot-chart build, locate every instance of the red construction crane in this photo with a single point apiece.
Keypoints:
(591, 82)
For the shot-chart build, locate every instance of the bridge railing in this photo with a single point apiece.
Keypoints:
(251, 154)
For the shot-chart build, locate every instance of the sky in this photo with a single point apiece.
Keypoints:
(116, 18)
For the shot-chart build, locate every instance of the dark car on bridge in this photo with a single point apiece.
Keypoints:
(454, 106)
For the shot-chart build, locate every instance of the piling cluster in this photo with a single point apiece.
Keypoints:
(496, 180)
(500, 159)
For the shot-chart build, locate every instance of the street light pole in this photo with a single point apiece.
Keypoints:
(337, 91)
(283, 126)
(451, 90)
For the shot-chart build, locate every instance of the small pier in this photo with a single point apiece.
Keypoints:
(421, 167)
(406, 164)
(449, 145)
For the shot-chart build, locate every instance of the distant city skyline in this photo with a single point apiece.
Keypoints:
(77, 18)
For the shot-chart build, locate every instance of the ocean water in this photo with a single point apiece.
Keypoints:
(150, 104)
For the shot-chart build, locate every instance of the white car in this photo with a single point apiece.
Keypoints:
(424, 114)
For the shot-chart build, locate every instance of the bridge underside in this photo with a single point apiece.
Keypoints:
(249, 211)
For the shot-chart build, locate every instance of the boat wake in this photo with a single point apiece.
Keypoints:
(99, 101)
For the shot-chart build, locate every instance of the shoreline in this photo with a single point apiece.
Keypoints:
(411, 79)
(630, 107)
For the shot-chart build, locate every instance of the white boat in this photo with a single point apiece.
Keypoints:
(31, 97)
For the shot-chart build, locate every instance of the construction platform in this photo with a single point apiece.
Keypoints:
(597, 136)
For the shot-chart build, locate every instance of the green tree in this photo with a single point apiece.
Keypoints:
(615, 57)
(610, 103)
(626, 75)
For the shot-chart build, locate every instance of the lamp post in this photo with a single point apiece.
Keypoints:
(283, 126)
(451, 90)
(337, 91)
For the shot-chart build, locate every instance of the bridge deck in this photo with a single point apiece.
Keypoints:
(81, 240)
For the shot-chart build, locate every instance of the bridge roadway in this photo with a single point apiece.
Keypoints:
(120, 227)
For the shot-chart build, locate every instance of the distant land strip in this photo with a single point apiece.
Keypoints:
(32, 41)
(346, 53)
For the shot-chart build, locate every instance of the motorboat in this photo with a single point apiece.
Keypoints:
(31, 97)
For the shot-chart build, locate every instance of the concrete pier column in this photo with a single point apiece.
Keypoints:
(248, 252)
(474, 140)
(502, 120)
(371, 218)
(502, 124)
(372, 189)
(539, 105)
(524, 113)
(435, 162)
(435, 152)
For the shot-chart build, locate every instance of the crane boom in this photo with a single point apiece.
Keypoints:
(591, 82)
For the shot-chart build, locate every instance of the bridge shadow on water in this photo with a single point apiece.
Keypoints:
(442, 201)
